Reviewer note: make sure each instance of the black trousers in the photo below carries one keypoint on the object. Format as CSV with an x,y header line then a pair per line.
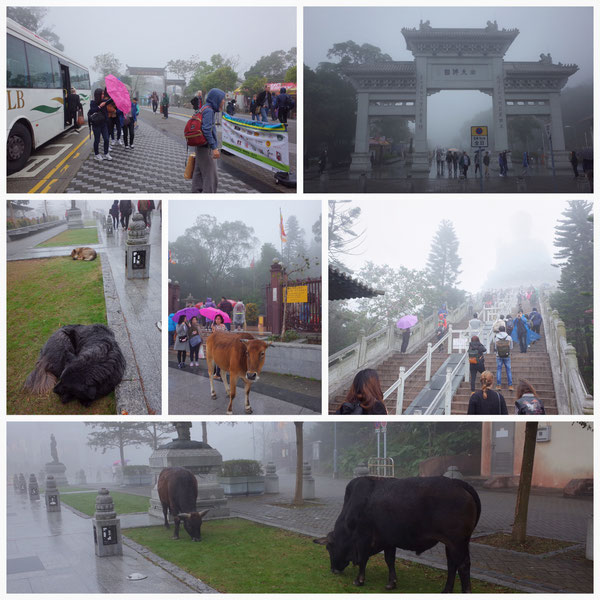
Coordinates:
x,y
128,133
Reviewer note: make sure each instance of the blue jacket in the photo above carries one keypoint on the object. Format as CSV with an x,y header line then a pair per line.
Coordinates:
x,y
172,323
532,336
135,111
211,106
283,101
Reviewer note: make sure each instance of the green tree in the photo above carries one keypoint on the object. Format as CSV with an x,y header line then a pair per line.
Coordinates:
x,y
107,64
182,68
344,239
254,84
574,299
224,78
291,74
31,17
352,53
273,66
443,263
294,250
108,435
158,431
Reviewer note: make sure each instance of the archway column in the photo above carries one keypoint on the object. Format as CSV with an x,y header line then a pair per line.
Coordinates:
x,y
561,154
420,158
361,162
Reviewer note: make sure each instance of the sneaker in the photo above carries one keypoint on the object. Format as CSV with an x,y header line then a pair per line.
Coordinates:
x,y
498,387
98,157
511,388
131,146
179,365
126,147
111,143
120,142
108,156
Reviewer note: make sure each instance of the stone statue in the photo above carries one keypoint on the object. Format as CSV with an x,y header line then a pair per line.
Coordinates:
x,y
546,59
491,26
424,24
183,430
53,450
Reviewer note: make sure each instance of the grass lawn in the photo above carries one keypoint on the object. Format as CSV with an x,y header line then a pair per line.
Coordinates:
x,y
238,556
72,237
42,296
124,503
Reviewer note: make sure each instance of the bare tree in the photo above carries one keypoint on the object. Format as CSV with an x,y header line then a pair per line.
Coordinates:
x,y
519,530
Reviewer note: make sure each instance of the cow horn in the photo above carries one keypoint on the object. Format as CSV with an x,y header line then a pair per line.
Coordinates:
x,y
201,514
269,344
183,516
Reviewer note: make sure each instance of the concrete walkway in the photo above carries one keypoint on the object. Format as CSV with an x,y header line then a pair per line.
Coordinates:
x,y
550,515
54,553
133,309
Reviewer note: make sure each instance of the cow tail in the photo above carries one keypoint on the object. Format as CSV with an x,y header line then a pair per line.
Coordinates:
x,y
469,488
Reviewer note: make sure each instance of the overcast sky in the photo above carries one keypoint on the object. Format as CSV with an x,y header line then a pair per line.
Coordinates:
x,y
150,37
261,215
493,234
566,33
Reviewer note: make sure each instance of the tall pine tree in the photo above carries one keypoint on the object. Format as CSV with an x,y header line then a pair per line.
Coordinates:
x,y
294,250
443,264
574,299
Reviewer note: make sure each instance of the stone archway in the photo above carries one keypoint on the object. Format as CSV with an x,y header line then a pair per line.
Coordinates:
x,y
458,59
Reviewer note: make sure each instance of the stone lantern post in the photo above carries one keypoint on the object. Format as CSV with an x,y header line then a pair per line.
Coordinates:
x,y
52,495
107,527
137,250
34,489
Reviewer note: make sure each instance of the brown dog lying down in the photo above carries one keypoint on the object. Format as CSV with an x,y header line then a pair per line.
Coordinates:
x,y
83,254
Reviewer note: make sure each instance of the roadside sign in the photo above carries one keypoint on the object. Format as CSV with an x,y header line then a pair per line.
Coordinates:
x,y
479,136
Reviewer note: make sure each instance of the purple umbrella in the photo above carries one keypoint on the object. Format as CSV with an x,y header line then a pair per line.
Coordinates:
x,y
189,312
407,321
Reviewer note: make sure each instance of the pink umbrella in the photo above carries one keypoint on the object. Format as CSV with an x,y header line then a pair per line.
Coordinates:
x,y
118,91
407,321
210,313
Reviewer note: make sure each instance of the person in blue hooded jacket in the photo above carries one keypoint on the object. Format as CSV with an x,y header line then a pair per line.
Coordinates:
x,y
205,178
522,334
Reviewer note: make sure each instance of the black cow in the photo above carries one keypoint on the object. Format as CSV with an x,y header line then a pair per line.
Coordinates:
x,y
412,514
177,491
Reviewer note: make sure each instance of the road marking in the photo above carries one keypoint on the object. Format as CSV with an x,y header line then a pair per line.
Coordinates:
x,y
52,182
40,183
38,163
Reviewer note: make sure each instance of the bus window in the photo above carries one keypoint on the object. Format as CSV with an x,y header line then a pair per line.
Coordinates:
x,y
40,69
16,63
58,81
79,78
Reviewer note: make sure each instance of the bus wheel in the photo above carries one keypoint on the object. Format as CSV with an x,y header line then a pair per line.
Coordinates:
x,y
18,148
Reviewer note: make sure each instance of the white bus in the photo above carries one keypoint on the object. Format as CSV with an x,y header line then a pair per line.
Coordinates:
x,y
38,80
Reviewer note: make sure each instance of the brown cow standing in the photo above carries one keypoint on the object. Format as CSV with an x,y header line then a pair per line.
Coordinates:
x,y
240,355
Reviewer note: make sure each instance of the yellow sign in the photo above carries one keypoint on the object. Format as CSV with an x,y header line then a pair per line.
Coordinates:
x,y
298,293
479,130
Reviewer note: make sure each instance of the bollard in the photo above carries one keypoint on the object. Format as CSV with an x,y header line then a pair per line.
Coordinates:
x,y
361,470
15,483
34,490
109,226
453,473
52,495
107,527
137,250
308,482
22,484
271,479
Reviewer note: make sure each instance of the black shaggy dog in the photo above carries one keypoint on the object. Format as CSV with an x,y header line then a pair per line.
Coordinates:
x,y
81,362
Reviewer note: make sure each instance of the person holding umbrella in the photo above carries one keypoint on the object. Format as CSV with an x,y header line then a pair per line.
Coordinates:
x,y
405,323
182,340
218,325
195,341
98,122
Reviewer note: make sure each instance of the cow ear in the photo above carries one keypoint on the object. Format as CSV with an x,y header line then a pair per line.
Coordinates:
x,y
269,344
245,342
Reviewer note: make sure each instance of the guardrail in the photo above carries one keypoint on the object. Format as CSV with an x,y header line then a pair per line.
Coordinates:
x,y
21,232
567,377
369,350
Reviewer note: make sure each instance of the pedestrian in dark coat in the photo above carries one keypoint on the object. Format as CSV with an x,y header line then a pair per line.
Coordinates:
x,y
487,401
476,361
125,208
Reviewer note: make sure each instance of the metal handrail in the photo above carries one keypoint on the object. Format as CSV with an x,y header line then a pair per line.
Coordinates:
x,y
443,392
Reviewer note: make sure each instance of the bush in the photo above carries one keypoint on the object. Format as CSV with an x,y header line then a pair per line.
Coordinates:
x,y
251,313
241,468
136,469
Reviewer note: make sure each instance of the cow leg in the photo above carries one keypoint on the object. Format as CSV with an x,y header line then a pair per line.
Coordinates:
x,y
176,520
211,367
464,572
248,385
452,566
231,392
362,567
390,560
165,508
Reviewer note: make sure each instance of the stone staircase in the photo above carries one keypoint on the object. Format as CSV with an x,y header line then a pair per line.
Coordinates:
x,y
534,365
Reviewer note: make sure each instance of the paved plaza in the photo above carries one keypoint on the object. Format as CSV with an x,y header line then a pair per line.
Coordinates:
x,y
189,393
133,310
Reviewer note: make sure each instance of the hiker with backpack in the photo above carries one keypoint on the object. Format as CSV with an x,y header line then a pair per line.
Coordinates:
x,y
486,401
98,122
522,333
503,344
536,320
476,351
498,323
284,104
527,402
509,324
200,132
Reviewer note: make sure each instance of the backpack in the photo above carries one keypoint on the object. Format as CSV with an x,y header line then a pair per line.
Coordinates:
x,y
529,405
96,118
503,348
536,319
473,356
193,130
509,325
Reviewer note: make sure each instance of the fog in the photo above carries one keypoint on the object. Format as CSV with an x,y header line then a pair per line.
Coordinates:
x,y
502,243
565,33
28,446
262,216
150,36
58,207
